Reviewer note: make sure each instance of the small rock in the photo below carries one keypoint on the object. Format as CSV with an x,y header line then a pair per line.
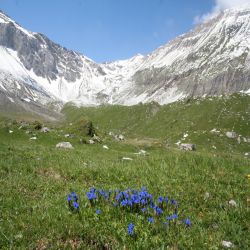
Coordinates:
x,y
188,147
105,147
127,159
232,203
178,143
33,138
10,131
231,135
45,130
206,196
96,138
91,142
121,137
227,244
214,147
66,145
141,152
215,131
69,136
246,154
239,140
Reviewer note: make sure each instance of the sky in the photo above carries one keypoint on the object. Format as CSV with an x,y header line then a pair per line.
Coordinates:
x,y
108,30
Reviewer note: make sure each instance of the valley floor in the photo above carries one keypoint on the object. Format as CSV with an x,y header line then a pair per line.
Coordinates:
x,y
211,187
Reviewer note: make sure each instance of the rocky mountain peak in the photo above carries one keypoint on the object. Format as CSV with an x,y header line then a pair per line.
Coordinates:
x,y
211,59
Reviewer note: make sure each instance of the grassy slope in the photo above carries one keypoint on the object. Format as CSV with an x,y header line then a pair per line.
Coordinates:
x,y
35,179
169,123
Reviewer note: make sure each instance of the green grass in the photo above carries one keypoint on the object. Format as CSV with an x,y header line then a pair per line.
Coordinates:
x,y
35,179
168,123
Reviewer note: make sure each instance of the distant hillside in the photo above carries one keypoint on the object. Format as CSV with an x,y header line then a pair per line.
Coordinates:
x,y
168,123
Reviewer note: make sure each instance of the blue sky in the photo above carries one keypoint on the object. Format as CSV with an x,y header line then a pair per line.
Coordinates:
x,y
107,30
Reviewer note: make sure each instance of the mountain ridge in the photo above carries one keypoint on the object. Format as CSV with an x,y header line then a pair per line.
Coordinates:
x,y
211,59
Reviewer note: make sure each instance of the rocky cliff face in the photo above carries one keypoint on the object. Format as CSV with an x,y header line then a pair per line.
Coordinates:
x,y
212,59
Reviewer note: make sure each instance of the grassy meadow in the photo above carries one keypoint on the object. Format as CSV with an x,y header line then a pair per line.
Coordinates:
x,y
36,178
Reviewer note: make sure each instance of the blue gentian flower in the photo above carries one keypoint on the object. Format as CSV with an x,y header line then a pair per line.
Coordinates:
x,y
158,210
187,222
76,205
160,199
131,229
124,203
98,211
172,217
174,202
151,220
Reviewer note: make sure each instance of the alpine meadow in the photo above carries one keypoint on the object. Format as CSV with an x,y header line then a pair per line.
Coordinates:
x,y
152,152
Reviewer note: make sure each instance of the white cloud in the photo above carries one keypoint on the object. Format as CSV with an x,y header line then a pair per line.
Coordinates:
x,y
221,5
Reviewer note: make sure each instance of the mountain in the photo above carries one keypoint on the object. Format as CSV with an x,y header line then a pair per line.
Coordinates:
x,y
212,59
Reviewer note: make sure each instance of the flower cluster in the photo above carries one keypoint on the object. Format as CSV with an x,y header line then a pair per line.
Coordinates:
x,y
73,201
155,210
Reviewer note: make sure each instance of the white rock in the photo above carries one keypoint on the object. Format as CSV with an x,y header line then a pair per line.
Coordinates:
x,y
227,244
33,138
10,131
214,147
45,130
231,135
91,142
105,147
127,159
215,131
66,145
178,143
246,154
141,152
188,146
206,195
232,203
121,137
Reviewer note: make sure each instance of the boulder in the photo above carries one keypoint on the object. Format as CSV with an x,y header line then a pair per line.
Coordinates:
x,y
65,145
188,146
231,135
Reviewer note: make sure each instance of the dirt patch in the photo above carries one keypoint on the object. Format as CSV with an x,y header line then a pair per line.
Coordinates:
x,y
49,173
42,244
